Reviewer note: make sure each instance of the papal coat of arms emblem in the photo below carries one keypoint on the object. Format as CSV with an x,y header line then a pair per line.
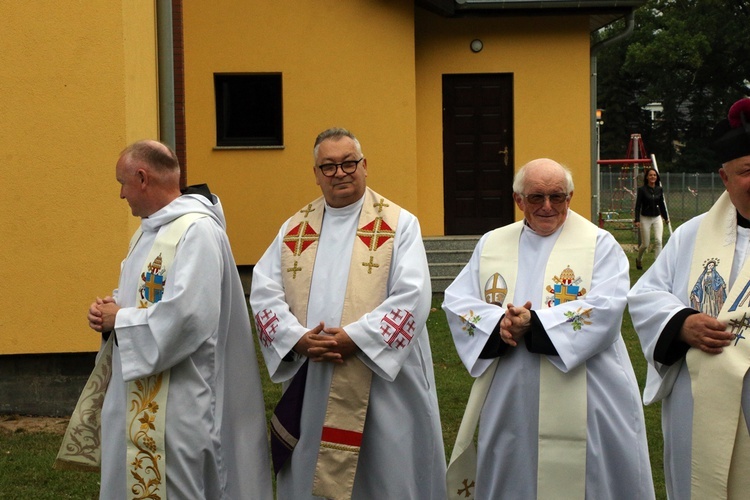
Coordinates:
x,y
154,280
565,288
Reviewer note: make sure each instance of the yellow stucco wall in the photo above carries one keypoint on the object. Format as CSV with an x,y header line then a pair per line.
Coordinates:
x,y
381,79
347,64
78,83
549,60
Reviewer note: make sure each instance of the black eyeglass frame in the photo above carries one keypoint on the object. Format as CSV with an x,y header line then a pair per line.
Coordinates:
x,y
348,167
534,199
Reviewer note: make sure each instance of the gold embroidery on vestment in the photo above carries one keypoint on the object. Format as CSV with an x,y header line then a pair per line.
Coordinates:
x,y
376,234
85,438
380,205
370,265
307,210
294,270
146,468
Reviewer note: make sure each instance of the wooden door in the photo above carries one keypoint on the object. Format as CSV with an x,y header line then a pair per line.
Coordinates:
x,y
477,152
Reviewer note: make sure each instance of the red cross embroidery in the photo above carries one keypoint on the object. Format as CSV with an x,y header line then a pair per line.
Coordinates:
x,y
397,328
300,237
267,323
375,233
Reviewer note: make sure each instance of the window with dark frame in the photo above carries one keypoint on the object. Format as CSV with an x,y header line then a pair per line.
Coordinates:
x,y
248,109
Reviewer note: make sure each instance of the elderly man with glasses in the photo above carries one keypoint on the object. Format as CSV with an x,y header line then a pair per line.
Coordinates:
x,y
340,299
536,316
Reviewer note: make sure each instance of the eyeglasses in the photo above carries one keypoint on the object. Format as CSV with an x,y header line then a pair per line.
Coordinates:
x,y
538,198
330,169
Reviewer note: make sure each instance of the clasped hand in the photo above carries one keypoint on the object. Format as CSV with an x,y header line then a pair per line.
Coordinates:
x,y
102,314
516,323
331,345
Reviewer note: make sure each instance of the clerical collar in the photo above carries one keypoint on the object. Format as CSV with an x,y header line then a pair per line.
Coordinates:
x,y
347,210
531,230
742,222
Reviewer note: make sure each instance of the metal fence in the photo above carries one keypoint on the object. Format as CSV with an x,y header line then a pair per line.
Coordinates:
x,y
686,195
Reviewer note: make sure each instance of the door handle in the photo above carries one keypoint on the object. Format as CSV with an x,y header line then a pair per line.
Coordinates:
x,y
504,152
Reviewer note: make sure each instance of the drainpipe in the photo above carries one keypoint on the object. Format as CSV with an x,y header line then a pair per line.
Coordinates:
x,y
165,65
629,26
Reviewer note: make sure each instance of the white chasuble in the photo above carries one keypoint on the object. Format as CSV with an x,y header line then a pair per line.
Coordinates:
x,y
146,454
365,290
402,453
719,444
562,396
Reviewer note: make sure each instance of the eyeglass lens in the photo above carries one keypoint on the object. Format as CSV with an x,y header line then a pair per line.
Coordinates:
x,y
538,198
349,166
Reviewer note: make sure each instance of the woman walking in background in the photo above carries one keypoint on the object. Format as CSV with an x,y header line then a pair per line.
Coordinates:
x,y
650,209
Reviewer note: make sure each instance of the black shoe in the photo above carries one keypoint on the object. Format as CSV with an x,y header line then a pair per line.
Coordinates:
x,y
638,264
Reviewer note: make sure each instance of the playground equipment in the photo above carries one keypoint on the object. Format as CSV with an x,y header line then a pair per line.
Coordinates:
x,y
618,186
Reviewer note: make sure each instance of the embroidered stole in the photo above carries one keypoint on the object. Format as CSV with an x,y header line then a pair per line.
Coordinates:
x,y
147,397
561,471
366,289
720,438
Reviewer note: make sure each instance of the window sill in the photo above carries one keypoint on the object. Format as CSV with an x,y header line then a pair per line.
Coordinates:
x,y
222,148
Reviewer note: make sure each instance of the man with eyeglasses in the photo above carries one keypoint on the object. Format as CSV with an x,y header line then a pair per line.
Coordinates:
x,y
340,299
691,310
535,316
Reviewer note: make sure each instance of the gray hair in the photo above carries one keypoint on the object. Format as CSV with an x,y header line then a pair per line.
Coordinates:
x,y
519,179
334,133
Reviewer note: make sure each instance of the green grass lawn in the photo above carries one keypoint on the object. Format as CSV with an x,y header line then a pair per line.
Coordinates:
x,y
26,459
26,470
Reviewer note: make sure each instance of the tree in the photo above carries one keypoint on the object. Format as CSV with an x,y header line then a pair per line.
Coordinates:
x,y
689,55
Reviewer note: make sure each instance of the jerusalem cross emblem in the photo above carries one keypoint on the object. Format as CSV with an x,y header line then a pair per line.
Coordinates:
x,y
268,324
397,328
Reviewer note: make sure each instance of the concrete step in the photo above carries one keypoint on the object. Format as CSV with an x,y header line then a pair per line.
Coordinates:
x,y
449,270
449,256
440,284
450,242
446,257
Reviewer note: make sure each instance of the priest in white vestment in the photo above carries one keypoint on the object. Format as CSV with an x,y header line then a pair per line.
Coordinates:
x,y
682,310
309,316
188,319
542,301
